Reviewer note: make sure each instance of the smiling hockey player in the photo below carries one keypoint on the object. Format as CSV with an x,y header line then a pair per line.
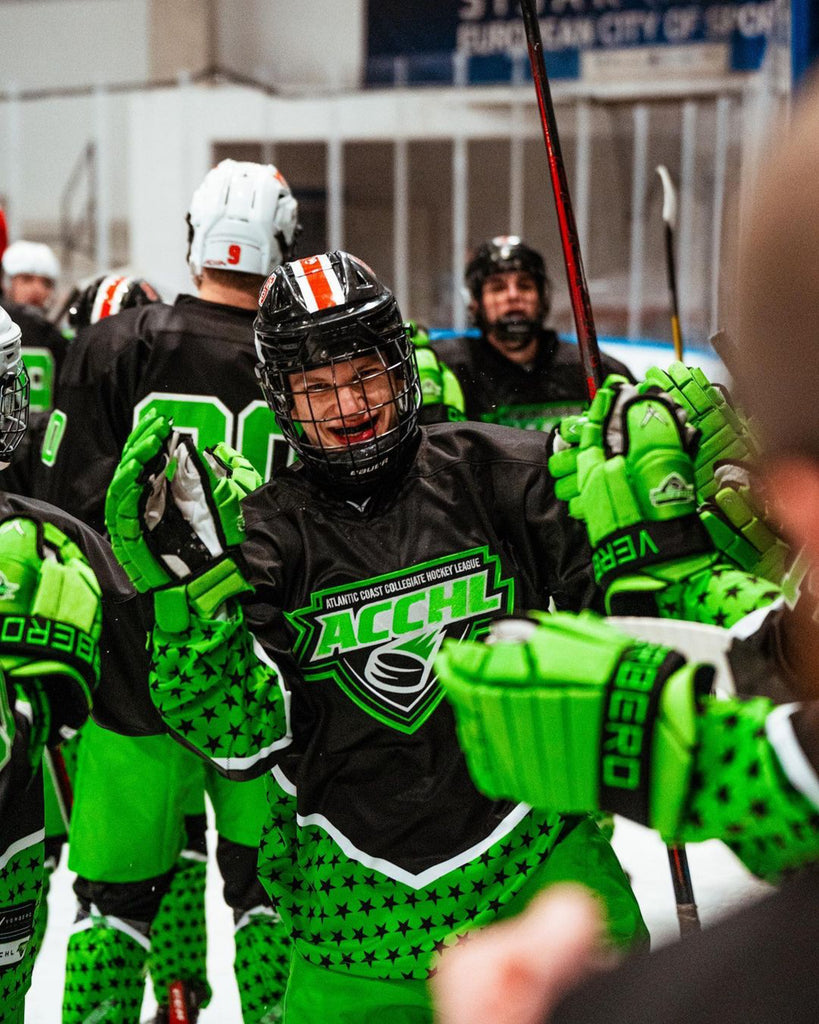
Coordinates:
x,y
357,562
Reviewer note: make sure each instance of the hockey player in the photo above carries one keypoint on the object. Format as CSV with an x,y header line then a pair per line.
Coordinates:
x,y
107,295
764,787
384,538
519,372
179,947
67,607
30,273
193,360
31,270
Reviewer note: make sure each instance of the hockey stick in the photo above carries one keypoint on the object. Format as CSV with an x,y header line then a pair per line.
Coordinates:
x,y
178,1003
669,219
587,342
55,765
687,916
570,242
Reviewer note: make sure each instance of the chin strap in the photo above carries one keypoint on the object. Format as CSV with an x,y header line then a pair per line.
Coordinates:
x,y
514,328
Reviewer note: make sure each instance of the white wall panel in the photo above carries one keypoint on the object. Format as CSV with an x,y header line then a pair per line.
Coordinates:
x,y
61,43
292,46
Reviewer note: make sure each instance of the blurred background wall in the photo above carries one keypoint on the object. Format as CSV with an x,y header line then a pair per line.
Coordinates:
x,y
409,133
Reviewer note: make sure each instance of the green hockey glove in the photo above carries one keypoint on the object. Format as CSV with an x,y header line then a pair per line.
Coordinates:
x,y
738,526
174,516
724,433
564,443
50,619
635,493
569,714
442,398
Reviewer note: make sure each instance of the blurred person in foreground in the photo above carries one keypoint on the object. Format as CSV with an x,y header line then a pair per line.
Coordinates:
x,y
67,617
765,785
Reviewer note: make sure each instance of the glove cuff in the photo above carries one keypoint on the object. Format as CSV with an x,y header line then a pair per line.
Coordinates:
x,y
36,646
635,547
630,711
201,596
675,739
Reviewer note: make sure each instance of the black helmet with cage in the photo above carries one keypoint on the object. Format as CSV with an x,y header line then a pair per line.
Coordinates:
x,y
14,389
107,295
331,313
498,255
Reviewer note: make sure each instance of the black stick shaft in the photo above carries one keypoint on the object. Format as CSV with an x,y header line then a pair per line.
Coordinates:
x,y
570,242
687,915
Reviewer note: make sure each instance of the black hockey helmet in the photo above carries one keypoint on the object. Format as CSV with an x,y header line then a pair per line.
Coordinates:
x,y
106,296
324,311
502,253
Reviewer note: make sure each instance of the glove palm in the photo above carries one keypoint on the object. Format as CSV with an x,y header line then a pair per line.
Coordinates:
x,y
174,517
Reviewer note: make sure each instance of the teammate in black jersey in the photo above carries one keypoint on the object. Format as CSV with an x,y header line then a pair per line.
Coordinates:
x,y
30,272
519,372
66,609
195,361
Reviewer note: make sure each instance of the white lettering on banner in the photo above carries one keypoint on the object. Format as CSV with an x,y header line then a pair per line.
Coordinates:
x,y
680,23
510,36
628,27
749,19
490,27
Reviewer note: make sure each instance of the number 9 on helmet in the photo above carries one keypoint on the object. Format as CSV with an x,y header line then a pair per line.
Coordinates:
x,y
243,217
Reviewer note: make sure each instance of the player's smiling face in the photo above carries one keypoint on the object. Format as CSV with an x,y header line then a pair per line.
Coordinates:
x,y
345,403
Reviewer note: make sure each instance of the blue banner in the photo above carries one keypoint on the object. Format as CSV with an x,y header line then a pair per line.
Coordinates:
x,y
475,41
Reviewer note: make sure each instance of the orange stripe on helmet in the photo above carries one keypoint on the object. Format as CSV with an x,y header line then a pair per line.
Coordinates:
x,y
324,286
110,292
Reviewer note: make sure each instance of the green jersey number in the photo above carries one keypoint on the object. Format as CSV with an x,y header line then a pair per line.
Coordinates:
x,y
39,363
253,432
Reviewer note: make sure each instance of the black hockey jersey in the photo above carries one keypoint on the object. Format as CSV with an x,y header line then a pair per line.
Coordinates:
x,y
363,600
194,361
534,397
378,846
44,349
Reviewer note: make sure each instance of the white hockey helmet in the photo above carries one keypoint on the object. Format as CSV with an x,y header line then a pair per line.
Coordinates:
x,y
242,217
31,258
14,389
